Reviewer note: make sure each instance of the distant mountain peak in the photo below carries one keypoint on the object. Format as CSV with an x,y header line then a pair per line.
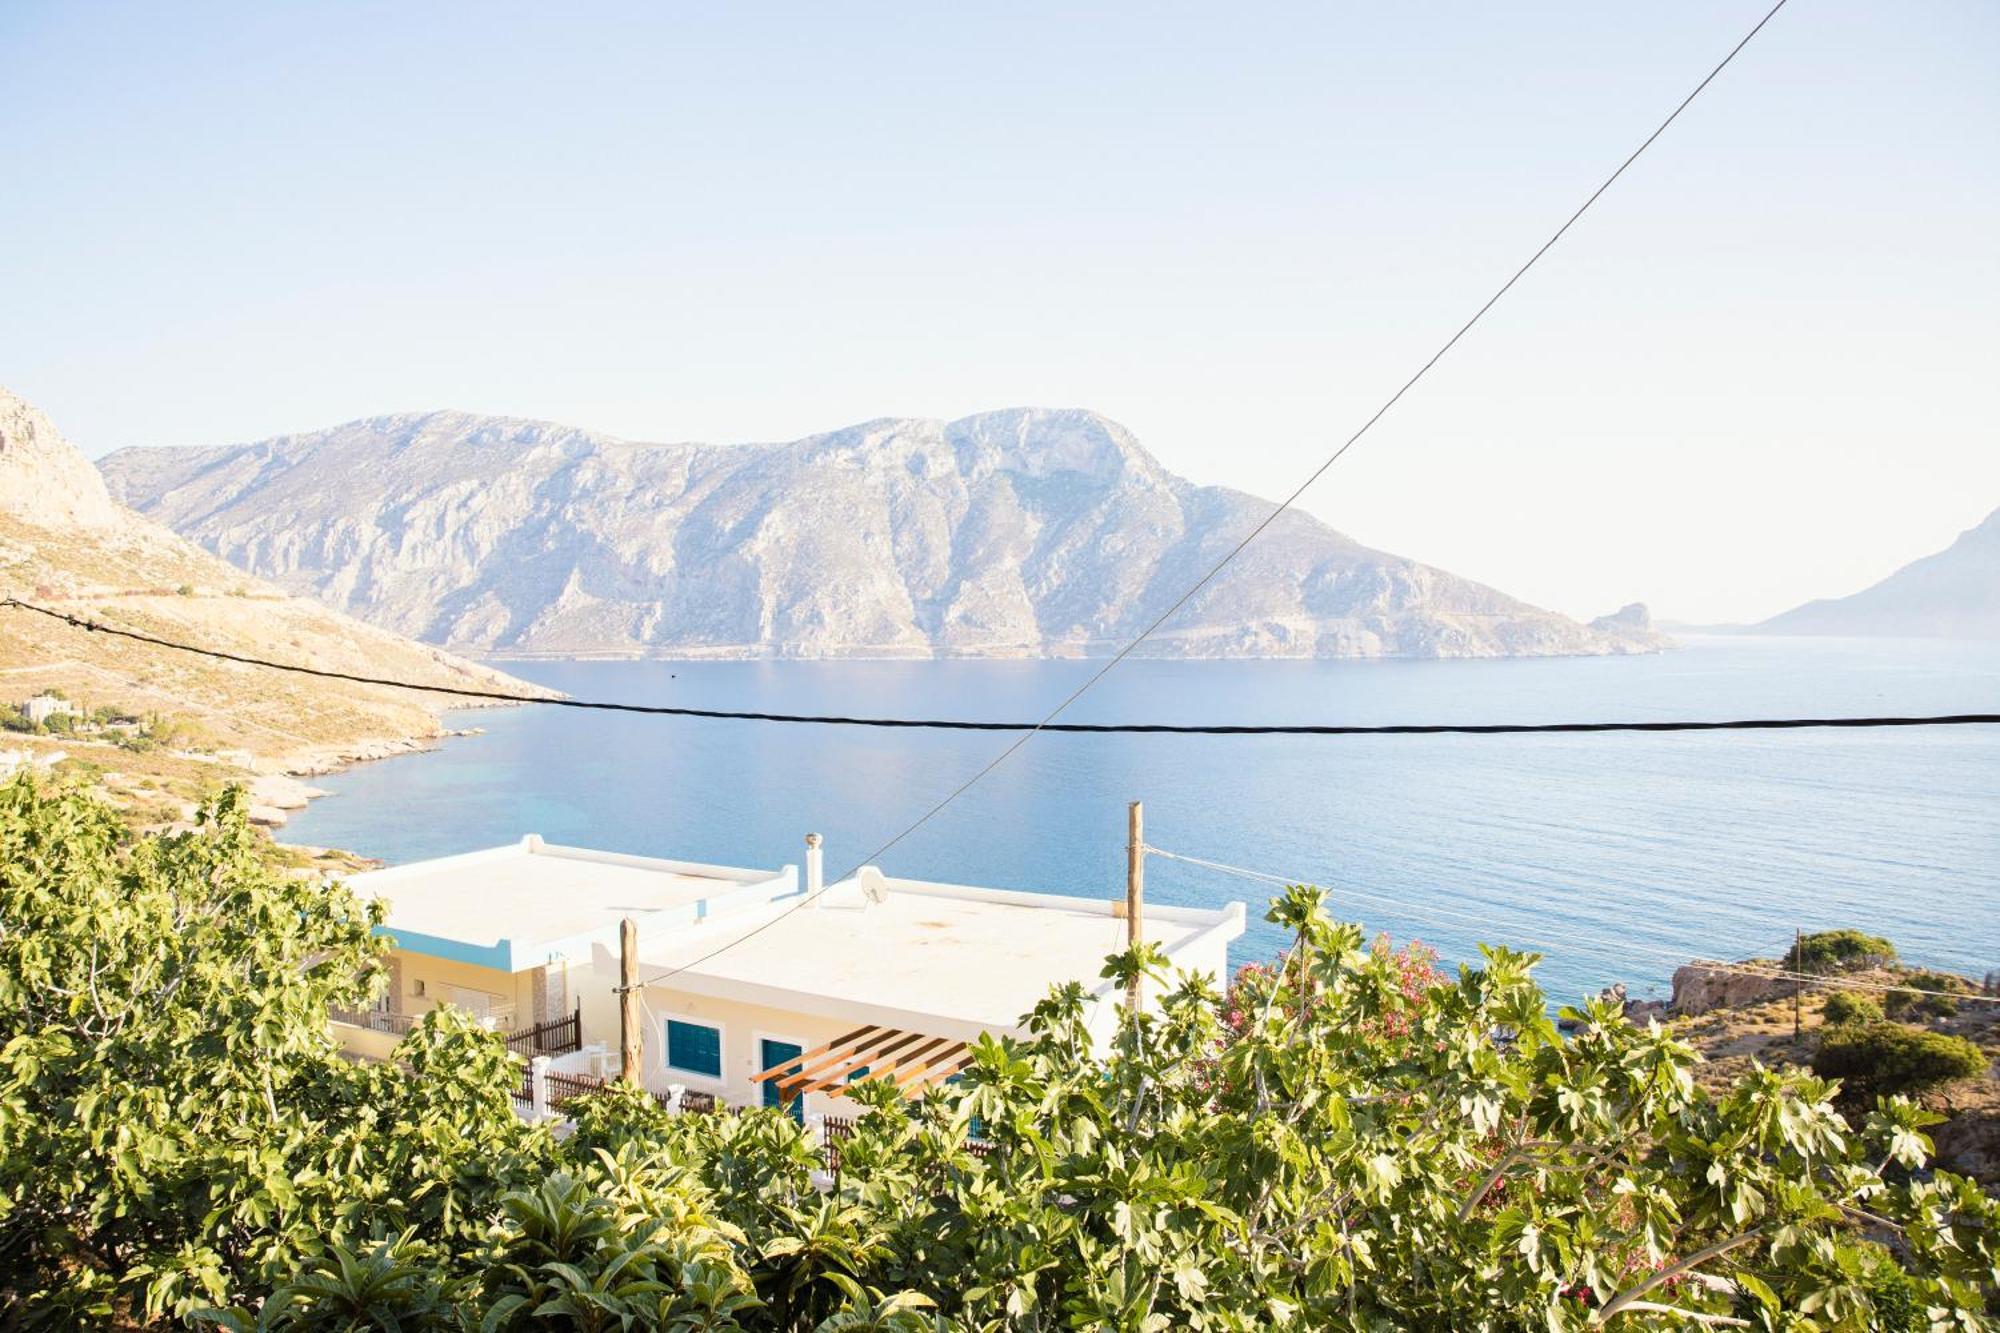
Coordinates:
x,y
1016,532
43,478
1952,594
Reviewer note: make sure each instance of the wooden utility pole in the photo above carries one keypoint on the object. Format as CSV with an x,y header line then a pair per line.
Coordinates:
x,y
628,1001
1135,893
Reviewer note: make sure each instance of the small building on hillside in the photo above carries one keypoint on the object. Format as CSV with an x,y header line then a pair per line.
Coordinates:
x,y
39,708
504,933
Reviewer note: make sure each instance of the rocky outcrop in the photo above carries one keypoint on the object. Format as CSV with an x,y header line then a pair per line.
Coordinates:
x,y
43,479
1702,986
1015,533
1632,623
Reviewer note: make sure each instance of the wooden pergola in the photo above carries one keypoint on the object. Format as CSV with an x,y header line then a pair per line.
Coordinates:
x,y
911,1060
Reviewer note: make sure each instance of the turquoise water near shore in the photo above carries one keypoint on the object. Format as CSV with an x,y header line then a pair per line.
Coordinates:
x,y
1618,856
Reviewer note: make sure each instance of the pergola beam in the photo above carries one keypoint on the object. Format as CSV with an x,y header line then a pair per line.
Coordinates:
x,y
910,1060
939,1067
881,1066
834,1049
870,1053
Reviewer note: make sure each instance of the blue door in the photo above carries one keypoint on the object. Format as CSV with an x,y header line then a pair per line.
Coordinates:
x,y
776,1053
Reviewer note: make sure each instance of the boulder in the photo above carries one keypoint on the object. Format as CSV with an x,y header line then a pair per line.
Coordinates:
x,y
1702,986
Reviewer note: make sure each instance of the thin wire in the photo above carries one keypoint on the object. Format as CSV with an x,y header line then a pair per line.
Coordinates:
x,y
1431,910
1769,973
1300,490
1047,724
1288,501
1174,607
1396,904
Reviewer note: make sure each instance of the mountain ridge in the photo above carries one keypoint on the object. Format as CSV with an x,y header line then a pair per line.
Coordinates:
x,y
1016,532
1953,593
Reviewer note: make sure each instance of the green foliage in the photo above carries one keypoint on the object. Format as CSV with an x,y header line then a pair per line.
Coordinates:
x,y
1827,951
1889,1059
175,1125
1848,1007
1926,995
1347,1141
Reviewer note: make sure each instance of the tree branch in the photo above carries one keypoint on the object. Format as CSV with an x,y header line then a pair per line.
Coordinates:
x,y
1699,1317
1624,1299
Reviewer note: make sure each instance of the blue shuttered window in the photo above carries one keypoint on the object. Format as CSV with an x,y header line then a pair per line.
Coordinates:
x,y
694,1048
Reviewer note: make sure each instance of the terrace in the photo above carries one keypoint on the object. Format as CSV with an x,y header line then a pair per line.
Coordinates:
x,y
497,933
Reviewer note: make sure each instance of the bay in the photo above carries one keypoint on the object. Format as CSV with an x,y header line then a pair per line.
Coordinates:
x,y
1617,856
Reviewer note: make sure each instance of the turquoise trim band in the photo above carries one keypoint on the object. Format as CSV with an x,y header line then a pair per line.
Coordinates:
x,y
499,957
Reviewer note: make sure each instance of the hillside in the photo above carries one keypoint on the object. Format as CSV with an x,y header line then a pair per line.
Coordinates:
x,y
65,543
1014,533
1953,594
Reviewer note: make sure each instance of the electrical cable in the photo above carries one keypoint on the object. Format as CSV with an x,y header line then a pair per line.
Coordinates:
x,y
1074,728
1048,721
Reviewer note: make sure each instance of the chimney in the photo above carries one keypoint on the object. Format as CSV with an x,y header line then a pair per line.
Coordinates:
x,y
815,870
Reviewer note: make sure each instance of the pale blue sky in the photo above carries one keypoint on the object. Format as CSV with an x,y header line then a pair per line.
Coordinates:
x,y
1767,368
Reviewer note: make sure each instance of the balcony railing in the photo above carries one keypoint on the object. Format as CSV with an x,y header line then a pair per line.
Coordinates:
x,y
376,1020
557,1036
560,1089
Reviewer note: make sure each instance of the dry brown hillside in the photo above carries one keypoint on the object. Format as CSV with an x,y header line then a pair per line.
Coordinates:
x,y
65,544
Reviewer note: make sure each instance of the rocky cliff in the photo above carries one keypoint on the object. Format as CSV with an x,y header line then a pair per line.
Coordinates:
x,y
65,543
1015,533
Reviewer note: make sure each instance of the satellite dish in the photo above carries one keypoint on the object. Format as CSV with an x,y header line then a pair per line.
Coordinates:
x,y
874,886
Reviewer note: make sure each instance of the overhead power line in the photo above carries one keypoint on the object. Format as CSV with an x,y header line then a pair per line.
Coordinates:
x,y
1074,728
1048,721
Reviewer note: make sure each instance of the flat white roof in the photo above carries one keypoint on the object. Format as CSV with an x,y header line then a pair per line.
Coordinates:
x,y
514,907
977,958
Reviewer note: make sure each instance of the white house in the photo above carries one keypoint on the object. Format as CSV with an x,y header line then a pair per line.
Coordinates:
x,y
751,989
41,707
502,932
892,983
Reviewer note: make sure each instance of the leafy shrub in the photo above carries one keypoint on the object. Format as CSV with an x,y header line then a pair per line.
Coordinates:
x,y
1826,951
1926,995
184,590
1883,1059
1847,1007
178,1140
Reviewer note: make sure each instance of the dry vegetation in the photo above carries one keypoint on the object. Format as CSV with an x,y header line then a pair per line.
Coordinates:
x,y
1969,1142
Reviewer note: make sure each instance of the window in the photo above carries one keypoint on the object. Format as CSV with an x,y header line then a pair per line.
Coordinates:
x,y
694,1048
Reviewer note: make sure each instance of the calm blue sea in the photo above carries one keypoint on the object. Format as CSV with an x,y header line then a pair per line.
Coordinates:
x,y
1618,856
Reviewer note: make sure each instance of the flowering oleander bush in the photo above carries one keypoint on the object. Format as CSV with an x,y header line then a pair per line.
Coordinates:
x,y
1348,1140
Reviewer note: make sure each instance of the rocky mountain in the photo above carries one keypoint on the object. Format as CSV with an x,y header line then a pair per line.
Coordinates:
x,y
1953,594
1012,533
65,543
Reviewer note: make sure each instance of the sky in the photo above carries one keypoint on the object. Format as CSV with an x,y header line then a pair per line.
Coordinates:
x,y
1765,368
